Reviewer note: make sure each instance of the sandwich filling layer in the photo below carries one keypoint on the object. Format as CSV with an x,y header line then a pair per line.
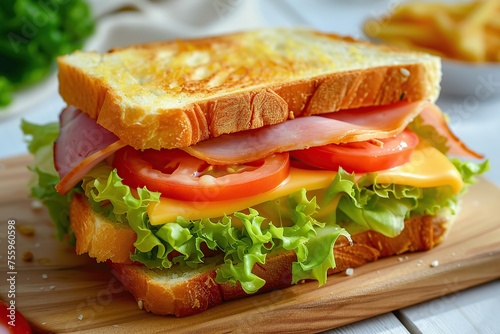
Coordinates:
x,y
307,212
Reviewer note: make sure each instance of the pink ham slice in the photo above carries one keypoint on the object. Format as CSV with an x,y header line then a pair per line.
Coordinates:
x,y
334,128
81,145
433,116
300,133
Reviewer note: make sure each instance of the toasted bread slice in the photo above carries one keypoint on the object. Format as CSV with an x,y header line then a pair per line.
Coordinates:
x,y
175,94
182,293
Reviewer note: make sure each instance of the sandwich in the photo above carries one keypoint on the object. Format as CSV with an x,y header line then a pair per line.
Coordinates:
x,y
211,169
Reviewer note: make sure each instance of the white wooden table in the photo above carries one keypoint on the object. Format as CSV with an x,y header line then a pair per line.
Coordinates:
x,y
471,311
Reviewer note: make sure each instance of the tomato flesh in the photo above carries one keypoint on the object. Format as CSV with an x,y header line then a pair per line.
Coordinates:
x,y
12,321
361,157
178,175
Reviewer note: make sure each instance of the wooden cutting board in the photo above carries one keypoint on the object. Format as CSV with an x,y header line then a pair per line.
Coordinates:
x,y
59,291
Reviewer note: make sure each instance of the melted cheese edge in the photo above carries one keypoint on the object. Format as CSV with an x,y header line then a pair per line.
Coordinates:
x,y
427,168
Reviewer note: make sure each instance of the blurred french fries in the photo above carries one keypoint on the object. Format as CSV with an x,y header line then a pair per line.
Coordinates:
x,y
464,31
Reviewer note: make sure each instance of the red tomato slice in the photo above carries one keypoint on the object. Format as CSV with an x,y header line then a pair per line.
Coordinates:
x,y
361,157
178,175
12,321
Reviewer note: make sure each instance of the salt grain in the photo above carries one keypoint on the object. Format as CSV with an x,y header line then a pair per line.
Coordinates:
x,y
80,317
140,304
435,263
36,205
349,271
45,276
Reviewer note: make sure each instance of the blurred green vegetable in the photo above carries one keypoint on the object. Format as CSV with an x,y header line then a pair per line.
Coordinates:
x,y
32,34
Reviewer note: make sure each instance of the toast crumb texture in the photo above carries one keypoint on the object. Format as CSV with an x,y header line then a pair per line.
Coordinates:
x,y
177,93
182,293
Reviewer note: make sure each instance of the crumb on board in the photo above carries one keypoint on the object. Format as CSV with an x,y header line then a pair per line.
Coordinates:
x,y
80,317
45,276
434,263
26,229
140,304
27,256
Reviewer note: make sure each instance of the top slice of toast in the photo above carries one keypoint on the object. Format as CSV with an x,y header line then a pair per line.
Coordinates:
x,y
177,93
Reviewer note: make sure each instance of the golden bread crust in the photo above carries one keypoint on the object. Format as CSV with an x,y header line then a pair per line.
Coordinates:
x,y
198,291
94,233
131,92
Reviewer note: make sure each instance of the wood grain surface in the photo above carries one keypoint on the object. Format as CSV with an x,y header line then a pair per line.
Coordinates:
x,y
58,291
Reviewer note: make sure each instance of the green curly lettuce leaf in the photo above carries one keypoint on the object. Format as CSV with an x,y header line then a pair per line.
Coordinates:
x,y
378,207
469,171
40,139
242,247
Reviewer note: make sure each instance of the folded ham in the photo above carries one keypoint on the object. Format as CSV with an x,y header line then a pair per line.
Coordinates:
x,y
82,144
338,127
